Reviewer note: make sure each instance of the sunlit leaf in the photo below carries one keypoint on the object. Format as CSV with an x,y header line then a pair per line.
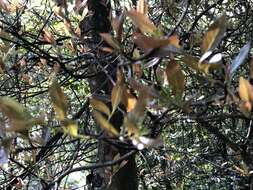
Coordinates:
x,y
110,40
100,106
214,34
59,100
116,95
244,89
70,127
175,77
142,7
240,58
105,124
142,22
128,99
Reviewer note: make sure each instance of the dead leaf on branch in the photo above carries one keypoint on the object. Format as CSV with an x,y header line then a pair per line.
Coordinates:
x,y
214,34
175,77
142,22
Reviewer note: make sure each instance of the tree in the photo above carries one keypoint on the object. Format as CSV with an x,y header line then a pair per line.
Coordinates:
x,y
126,94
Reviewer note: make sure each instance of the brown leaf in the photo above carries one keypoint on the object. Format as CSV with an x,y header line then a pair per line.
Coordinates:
x,y
104,123
110,40
175,77
100,106
117,25
214,34
128,99
142,22
142,7
147,43
244,89
116,95
59,100
47,36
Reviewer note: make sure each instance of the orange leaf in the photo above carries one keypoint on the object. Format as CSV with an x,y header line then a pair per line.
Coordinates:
x,y
244,89
142,22
128,99
214,34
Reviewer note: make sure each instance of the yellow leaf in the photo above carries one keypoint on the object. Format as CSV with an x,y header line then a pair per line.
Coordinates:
x,y
142,22
110,40
214,34
59,100
116,95
70,128
104,123
175,77
100,106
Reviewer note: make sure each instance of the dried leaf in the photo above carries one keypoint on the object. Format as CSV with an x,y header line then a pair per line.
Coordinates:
x,y
117,25
104,123
128,99
47,36
175,77
214,34
59,100
240,58
142,7
147,43
116,95
110,40
142,22
244,89
100,106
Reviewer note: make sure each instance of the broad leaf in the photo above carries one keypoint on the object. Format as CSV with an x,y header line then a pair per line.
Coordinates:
x,y
105,124
116,95
142,7
214,34
142,22
175,77
100,106
59,100
240,58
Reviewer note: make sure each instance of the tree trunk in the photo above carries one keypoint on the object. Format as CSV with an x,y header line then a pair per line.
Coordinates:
x,y
126,178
